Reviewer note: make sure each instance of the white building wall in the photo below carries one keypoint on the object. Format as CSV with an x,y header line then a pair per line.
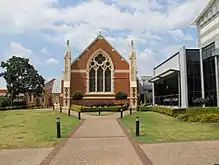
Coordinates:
x,y
172,63
183,78
178,62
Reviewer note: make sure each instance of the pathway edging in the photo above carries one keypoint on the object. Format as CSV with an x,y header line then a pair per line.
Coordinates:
x,y
141,154
59,145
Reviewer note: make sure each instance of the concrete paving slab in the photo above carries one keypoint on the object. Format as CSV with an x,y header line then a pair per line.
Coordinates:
x,y
97,151
183,153
99,128
31,156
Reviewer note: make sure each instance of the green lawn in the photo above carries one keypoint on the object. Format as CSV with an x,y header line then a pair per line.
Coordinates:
x,y
32,128
155,127
101,113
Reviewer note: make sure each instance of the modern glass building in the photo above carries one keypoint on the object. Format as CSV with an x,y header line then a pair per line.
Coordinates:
x,y
208,40
177,80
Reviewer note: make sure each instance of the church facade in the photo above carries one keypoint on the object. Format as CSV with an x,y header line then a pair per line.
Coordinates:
x,y
99,72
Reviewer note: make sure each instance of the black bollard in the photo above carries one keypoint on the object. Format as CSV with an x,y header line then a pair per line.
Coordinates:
x,y
137,126
53,107
130,111
58,127
69,112
60,109
79,115
99,111
121,113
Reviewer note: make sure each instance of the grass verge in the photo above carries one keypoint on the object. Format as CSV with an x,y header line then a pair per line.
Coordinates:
x,y
155,127
32,128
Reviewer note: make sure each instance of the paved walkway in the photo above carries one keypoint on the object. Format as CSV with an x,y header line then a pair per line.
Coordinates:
x,y
183,153
32,156
99,141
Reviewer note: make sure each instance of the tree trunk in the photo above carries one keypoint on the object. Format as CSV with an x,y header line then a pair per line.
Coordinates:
x,y
12,101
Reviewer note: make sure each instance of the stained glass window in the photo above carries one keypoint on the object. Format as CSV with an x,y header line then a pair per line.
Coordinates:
x,y
100,74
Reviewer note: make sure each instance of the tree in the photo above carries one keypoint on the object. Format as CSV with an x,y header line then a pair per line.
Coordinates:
x,y
121,96
77,96
21,77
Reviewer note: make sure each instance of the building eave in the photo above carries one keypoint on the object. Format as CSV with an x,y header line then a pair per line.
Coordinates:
x,y
98,37
202,12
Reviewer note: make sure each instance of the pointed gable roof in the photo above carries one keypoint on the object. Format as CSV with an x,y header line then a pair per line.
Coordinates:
x,y
211,2
100,36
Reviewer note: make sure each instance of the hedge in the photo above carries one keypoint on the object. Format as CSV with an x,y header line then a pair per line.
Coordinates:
x,y
206,110
164,110
4,101
210,117
77,108
208,114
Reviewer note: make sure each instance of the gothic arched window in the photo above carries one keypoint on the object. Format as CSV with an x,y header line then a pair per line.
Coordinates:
x,y
100,74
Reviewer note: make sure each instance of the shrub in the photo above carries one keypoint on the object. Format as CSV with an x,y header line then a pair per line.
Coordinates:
x,y
121,96
164,110
4,101
211,117
97,103
77,96
96,109
200,115
13,107
19,103
76,108
195,111
184,117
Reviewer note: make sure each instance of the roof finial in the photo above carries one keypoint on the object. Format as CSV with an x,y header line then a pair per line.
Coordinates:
x,y
132,43
67,42
100,32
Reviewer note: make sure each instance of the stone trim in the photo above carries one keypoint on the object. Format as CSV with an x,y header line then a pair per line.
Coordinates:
x,y
87,98
85,71
78,71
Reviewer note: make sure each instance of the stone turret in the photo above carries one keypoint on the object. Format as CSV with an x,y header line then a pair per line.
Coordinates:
x,y
67,78
133,77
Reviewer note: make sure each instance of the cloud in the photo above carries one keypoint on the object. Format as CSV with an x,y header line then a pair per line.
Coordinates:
x,y
16,49
178,35
45,52
52,61
146,62
147,22
2,83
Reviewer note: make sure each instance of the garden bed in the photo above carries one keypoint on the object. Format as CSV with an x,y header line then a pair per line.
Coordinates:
x,y
208,114
97,109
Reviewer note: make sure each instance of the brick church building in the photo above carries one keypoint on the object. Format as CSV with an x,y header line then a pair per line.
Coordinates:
x,y
99,72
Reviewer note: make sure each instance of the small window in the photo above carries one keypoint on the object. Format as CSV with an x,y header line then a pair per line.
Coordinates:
x,y
217,6
209,13
205,18
214,10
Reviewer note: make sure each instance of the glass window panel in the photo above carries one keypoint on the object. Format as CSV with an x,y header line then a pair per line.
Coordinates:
x,y
209,79
100,80
92,80
108,80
